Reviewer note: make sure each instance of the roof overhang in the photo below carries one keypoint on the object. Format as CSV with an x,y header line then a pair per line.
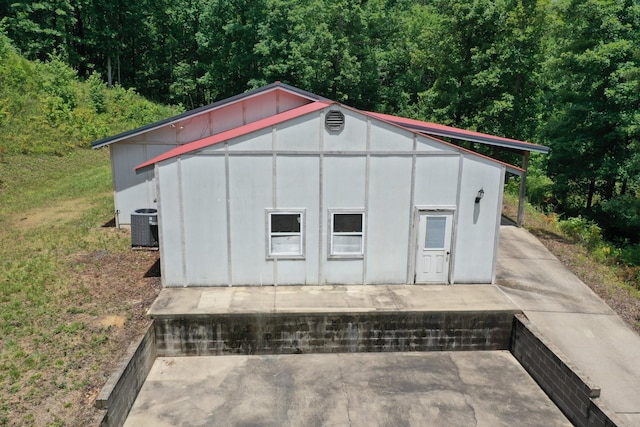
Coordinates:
x,y
206,109
461,134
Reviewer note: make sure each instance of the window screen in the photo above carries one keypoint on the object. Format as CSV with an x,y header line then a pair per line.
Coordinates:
x,y
285,223
285,234
347,236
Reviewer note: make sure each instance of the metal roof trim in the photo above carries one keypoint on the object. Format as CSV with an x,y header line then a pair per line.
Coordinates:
x,y
205,109
237,132
379,116
466,135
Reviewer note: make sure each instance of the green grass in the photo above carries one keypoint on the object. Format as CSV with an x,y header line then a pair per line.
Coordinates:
x,y
51,210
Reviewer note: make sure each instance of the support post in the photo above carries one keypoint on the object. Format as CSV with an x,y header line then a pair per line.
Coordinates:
x,y
523,188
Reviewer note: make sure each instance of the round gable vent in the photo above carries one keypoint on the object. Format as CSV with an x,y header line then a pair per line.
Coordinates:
x,y
334,121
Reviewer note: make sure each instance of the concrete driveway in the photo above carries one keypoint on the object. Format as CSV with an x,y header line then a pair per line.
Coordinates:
x,y
573,318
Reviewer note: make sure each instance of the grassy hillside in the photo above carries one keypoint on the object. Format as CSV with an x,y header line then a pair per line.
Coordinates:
x,y
72,293
45,109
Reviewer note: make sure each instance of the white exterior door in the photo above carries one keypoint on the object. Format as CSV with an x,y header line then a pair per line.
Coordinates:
x,y
434,247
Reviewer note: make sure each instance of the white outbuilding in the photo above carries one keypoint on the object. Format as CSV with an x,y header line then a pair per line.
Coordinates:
x,y
279,186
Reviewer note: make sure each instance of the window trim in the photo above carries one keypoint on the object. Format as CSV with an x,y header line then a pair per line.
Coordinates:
x,y
332,234
270,235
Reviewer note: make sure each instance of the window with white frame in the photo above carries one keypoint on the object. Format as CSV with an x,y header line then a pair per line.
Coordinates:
x,y
347,234
285,234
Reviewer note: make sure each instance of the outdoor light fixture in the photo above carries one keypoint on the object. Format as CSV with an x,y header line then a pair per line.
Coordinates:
x,y
480,195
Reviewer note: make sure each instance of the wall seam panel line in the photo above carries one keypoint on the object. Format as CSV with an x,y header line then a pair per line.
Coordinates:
x,y
274,195
160,223
228,196
147,174
116,211
361,153
454,235
321,196
410,253
367,187
182,225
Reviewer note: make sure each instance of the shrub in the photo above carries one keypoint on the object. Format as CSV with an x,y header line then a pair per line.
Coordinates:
x,y
582,230
619,218
97,95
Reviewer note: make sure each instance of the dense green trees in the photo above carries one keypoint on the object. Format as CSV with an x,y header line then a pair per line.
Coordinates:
x,y
592,72
565,73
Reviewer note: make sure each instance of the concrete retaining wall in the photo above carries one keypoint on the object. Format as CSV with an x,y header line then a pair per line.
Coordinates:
x,y
122,387
563,383
284,333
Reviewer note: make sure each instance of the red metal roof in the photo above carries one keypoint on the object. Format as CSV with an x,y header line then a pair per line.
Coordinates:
x,y
466,135
239,131
409,124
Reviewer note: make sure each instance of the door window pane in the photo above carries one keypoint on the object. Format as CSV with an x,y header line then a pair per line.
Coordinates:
x,y
436,226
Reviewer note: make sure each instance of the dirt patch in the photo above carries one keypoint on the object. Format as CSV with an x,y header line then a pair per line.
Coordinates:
x,y
60,212
113,321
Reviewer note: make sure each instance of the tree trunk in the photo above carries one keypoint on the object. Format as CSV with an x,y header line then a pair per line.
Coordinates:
x,y
109,77
592,189
609,188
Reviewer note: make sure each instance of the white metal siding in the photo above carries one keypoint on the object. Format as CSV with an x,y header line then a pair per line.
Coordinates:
x,y
387,188
385,137
170,223
205,227
192,129
475,245
343,188
289,137
133,190
352,138
388,219
261,140
298,186
436,181
226,118
250,189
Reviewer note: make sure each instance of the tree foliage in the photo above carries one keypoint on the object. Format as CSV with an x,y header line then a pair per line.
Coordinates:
x,y
44,108
593,72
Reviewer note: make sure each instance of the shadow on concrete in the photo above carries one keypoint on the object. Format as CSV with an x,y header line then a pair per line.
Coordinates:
x,y
507,221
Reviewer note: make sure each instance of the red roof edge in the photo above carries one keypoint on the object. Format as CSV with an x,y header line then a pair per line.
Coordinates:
x,y
393,121
237,132
457,133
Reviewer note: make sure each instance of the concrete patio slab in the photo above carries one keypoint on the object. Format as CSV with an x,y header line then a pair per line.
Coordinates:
x,y
366,389
334,299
